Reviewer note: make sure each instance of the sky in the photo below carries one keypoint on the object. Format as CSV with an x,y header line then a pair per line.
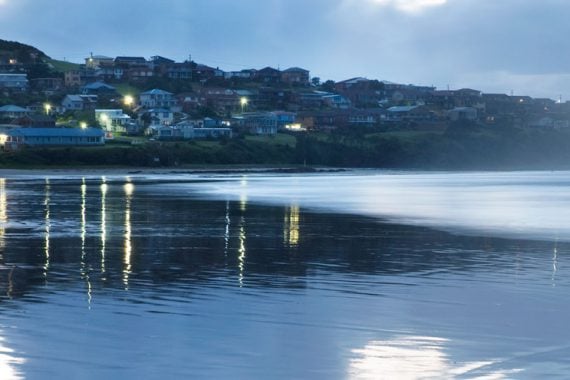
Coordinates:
x,y
506,46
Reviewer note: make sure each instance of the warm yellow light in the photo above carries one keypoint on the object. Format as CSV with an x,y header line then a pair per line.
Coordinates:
x,y
128,100
294,127
243,101
129,189
3,139
83,125
47,107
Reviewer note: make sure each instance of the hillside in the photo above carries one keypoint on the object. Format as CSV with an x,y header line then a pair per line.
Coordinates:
x,y
24,54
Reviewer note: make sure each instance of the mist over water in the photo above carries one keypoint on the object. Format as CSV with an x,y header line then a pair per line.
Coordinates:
x,y
531,205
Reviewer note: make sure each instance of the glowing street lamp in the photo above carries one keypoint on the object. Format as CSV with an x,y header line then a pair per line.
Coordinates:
x,y
128,100
243,102
104,118
83,125
47,108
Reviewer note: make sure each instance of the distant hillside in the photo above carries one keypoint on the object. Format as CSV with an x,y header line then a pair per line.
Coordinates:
x,y
19,57
24,54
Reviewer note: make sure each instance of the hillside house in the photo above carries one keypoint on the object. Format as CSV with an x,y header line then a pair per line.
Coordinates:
x,y
157,98
13,112
189,130
182,71
362,92
36,121
409,114
113,120
127,62
203,72
340,118
158,116
268,75
14,82
296,75
243,74
138,73
97,61
79,102
462,114
72,78
98,88
47,85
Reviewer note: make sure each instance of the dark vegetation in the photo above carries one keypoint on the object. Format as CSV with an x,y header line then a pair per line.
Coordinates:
x,y
458,148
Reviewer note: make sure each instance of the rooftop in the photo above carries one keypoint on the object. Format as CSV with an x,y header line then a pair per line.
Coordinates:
x,y
13,108
156,91
56,132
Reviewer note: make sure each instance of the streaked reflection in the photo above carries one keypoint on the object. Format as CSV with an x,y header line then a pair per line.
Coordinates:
x,y
47,226
84,269
243,195
83,215
104,188
555,263
9,363
3,213
291,226
227,231
417,358
129,190
242,253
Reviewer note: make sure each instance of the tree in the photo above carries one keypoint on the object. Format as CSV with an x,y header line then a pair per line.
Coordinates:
x,y
328,86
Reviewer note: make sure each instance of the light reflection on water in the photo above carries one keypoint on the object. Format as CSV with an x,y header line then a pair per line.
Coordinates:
x,y
521,205
3,212
47,227
410,358
224,288
128,245
9,363
104,188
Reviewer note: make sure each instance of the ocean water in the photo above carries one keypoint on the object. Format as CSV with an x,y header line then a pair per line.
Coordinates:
x,y
356,275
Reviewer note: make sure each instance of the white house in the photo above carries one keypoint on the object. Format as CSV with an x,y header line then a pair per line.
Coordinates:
x,y
112,120
157,99
161,116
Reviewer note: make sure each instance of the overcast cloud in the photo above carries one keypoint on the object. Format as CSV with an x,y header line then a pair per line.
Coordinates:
x,y
492,45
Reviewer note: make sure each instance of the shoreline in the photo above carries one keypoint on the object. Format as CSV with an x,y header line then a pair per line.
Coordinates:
x,y
164,171
238,169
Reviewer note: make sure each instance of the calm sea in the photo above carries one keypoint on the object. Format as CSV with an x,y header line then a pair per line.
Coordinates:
x,y
358,275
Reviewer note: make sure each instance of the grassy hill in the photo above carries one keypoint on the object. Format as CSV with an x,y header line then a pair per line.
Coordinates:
x,y
61,66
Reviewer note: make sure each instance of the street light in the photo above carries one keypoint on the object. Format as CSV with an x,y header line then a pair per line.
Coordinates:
x,y
128,100
47,108
105,120
83,125
243,102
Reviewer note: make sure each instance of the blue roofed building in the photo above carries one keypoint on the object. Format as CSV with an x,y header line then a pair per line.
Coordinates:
x,y
409,114
98,88
13,112
17,138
